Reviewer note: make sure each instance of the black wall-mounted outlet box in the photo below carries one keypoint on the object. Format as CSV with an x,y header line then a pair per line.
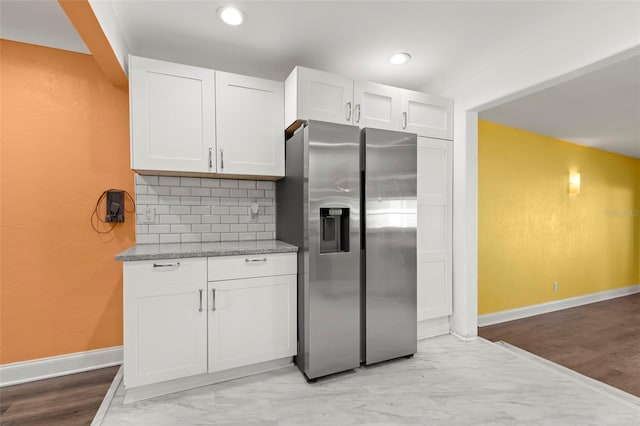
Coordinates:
x,y
115,206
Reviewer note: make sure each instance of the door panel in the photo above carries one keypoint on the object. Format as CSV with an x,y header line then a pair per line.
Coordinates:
x,y
251,320
249,125
172,116
390,263
325,97
376,105
434,228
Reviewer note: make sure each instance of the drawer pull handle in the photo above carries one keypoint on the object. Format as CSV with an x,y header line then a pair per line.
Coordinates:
x,y
200,310
166,265
264,259
213,299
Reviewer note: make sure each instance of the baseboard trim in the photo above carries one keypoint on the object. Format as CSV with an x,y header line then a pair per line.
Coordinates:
x,y
45,368
433,327
186,383
556,305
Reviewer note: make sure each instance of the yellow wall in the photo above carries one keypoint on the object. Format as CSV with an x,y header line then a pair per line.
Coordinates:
x,y
531,232
64,139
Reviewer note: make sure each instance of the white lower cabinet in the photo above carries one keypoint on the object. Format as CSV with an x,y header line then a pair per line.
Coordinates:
x,y
165,320
180,322
251,320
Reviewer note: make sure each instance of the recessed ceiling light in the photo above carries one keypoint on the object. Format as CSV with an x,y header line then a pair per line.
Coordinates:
x,y
231,15
399,58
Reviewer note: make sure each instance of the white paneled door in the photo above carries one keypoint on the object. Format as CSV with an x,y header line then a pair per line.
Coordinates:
x,y
434,228
376,105
251,320
172,116
427,115
249,125
165,320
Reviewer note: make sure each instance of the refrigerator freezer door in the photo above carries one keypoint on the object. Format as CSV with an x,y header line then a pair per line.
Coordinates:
x,y
319,211
390,271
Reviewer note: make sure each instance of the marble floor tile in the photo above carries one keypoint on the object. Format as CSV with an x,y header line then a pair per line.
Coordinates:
x,y
448,382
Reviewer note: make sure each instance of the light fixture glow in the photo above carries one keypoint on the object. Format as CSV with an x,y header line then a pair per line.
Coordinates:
x,y
399,58
574,183
231,15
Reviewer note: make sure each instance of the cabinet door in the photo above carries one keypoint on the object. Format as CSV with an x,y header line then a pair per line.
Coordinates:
x,y
434,228
376,105
165,320
427,115
251,320
249,125
324,96
172,116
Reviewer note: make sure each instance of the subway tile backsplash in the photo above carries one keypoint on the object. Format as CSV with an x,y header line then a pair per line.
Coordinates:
x,y
203,209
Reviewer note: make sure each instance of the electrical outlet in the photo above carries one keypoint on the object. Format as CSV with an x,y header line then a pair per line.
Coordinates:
x,y
149,215
555,286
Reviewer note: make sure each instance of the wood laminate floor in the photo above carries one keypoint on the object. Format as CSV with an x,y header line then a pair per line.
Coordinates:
x,y
68,400
600,340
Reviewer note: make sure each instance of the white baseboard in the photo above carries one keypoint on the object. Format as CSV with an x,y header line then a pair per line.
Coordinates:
x,y
556,305
178,385
433,327
44,368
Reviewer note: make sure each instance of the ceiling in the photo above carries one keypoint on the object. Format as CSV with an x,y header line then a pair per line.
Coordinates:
x,y
448,41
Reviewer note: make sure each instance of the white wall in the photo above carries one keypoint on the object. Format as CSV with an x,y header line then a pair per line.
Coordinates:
x,y
590,41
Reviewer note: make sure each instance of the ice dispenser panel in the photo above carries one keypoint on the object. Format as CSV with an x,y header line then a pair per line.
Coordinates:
x,y
334,229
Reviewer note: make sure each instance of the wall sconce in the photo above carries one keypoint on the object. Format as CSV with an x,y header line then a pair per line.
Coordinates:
x,y
574,183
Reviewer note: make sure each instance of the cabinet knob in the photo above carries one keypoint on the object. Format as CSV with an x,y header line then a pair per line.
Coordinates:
x,y
213,299
404,120
210,158
357,118
200,309
348,111
221,159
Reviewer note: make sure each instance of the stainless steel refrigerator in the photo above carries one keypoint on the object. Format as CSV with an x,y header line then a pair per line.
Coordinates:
x,y
354,306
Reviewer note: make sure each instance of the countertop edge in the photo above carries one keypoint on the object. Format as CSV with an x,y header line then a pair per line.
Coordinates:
x,y
214,252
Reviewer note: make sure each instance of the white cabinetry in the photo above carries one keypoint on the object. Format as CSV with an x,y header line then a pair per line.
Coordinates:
x,y
318,95
194,121
427,115
249,125
165,320
179,327
376,105
253,317
172,109
434,228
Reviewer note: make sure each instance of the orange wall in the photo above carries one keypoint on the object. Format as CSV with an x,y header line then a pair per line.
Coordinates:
x,y
64,139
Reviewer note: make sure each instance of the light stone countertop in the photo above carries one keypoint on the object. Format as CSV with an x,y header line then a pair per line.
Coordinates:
x,y
183,250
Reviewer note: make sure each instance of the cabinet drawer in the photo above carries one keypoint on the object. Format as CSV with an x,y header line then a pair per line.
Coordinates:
x,y
260,265
166,271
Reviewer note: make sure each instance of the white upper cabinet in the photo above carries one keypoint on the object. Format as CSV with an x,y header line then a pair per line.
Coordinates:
x,y
427,115
318,95
376,105
249,125
172,116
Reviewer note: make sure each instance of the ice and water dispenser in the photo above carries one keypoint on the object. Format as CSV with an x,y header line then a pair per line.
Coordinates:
x,y
334,229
